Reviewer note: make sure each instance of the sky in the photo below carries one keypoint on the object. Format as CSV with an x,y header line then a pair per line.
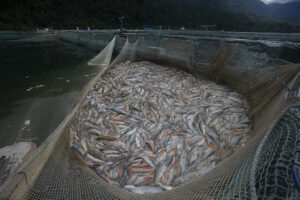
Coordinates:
x,y
278,1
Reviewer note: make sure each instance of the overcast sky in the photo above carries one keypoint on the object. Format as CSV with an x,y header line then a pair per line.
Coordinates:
x,y
278,1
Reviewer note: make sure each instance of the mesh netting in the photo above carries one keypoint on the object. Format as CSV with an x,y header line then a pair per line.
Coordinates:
x,y
56,172
104,57
273,169
62,179
295,90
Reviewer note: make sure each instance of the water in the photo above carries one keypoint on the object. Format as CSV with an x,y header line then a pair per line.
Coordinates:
x,y
58,67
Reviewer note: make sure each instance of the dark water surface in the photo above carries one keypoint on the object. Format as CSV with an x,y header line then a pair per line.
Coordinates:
x,y
59,71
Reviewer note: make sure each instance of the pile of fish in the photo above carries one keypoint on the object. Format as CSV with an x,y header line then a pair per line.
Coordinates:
x,y
148,128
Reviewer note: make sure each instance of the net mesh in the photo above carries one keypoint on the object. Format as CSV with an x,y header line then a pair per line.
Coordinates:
x,y
104,57
274,165
295,90
62,174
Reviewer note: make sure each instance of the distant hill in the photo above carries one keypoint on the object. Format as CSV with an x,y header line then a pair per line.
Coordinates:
x,y
289,12
231,15
248,6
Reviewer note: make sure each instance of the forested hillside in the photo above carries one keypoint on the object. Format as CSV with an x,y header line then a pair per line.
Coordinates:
x,y
289,12
235,15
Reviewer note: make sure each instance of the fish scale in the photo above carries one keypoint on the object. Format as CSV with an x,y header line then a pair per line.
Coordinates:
x,y
148,128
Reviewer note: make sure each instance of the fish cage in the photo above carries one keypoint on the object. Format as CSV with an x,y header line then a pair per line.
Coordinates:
x,y
265,167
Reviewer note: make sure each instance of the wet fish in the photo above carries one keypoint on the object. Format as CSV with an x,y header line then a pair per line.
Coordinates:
x,y
95,132
147,128
144,189
159,173
106,137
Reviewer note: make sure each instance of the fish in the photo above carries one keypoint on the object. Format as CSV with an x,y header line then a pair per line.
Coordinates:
x,y
183,178
202,127
235,140
132,188
106,137
165,187
96,154
147,189
84,145
95,132
183,159
172,173
119,111
159,173
162,155
149,161
147,128
193,155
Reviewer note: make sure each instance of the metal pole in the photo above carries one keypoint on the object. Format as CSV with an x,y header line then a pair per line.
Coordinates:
x,y
121,20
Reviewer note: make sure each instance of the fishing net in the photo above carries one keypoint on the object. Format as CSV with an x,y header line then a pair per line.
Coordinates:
x,y
273,167
104,57
261,169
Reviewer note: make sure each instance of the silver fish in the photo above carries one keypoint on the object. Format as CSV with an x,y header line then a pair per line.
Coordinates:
x,y
147,128
159,172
